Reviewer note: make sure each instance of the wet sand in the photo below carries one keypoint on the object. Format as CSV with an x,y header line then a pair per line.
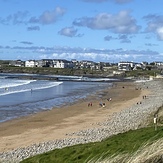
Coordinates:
x,y
56,123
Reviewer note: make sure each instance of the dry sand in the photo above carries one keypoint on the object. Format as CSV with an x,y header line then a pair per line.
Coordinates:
x,y
54,124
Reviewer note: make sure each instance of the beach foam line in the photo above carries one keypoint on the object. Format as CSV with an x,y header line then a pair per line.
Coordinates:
x,y
7,92
21,82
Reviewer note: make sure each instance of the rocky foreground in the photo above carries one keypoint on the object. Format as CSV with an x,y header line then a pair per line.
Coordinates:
x,y
129,118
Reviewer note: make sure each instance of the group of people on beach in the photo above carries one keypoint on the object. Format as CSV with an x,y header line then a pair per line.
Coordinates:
x,y
101,104
144,97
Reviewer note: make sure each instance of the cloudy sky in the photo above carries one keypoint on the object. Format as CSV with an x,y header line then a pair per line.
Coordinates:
x,y
96,30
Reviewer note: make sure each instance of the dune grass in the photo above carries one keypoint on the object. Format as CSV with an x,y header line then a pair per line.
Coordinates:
x,y
119,145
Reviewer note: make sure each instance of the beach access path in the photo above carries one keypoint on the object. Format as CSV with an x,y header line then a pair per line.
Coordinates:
x,y
59,123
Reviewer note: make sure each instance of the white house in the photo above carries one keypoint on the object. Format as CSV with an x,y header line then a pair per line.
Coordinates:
x,y
158,63
126,66
139,66
62,63
31,63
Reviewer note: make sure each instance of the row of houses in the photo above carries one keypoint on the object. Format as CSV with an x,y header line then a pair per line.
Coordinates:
x,y
60,63
128,66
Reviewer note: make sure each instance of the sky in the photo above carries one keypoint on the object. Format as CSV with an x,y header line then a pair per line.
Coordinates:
x,y
94,30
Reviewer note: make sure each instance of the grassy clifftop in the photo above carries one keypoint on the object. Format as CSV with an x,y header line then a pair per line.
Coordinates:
x,y
143,145
119,148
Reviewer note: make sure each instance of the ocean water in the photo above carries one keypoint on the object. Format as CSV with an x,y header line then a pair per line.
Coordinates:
x,y
23,97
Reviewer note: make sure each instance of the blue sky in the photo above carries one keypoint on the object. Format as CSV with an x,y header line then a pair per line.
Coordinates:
x,y
96,30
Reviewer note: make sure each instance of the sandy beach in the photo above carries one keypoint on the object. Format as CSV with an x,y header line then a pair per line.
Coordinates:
x,y
59,122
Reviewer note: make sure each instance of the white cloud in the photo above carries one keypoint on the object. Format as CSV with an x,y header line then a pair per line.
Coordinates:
x,y
97,55
68,31
19,17
159,32
155,25
106,55
22,17
48,17
121,22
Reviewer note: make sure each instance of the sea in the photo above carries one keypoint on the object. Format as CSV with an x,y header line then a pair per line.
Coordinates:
x,y
22,97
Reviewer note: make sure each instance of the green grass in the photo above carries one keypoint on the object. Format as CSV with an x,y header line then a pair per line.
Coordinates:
x,y
49,70
125,143
142,73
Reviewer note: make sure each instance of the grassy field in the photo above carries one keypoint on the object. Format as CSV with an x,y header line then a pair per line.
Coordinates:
x,y
122,144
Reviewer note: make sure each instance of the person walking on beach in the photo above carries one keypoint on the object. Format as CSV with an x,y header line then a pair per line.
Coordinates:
x,y
89,104
109,99
100,104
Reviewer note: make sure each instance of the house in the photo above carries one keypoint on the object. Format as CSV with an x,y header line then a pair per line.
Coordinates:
x,y
17,63
104,66
47,63
76,64
31,63
139,66
87,64
62,63
126,66
158,63
40,63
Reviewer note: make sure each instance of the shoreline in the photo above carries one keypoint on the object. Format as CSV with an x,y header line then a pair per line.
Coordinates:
x,y
26,97
59,116
77,121
52,77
